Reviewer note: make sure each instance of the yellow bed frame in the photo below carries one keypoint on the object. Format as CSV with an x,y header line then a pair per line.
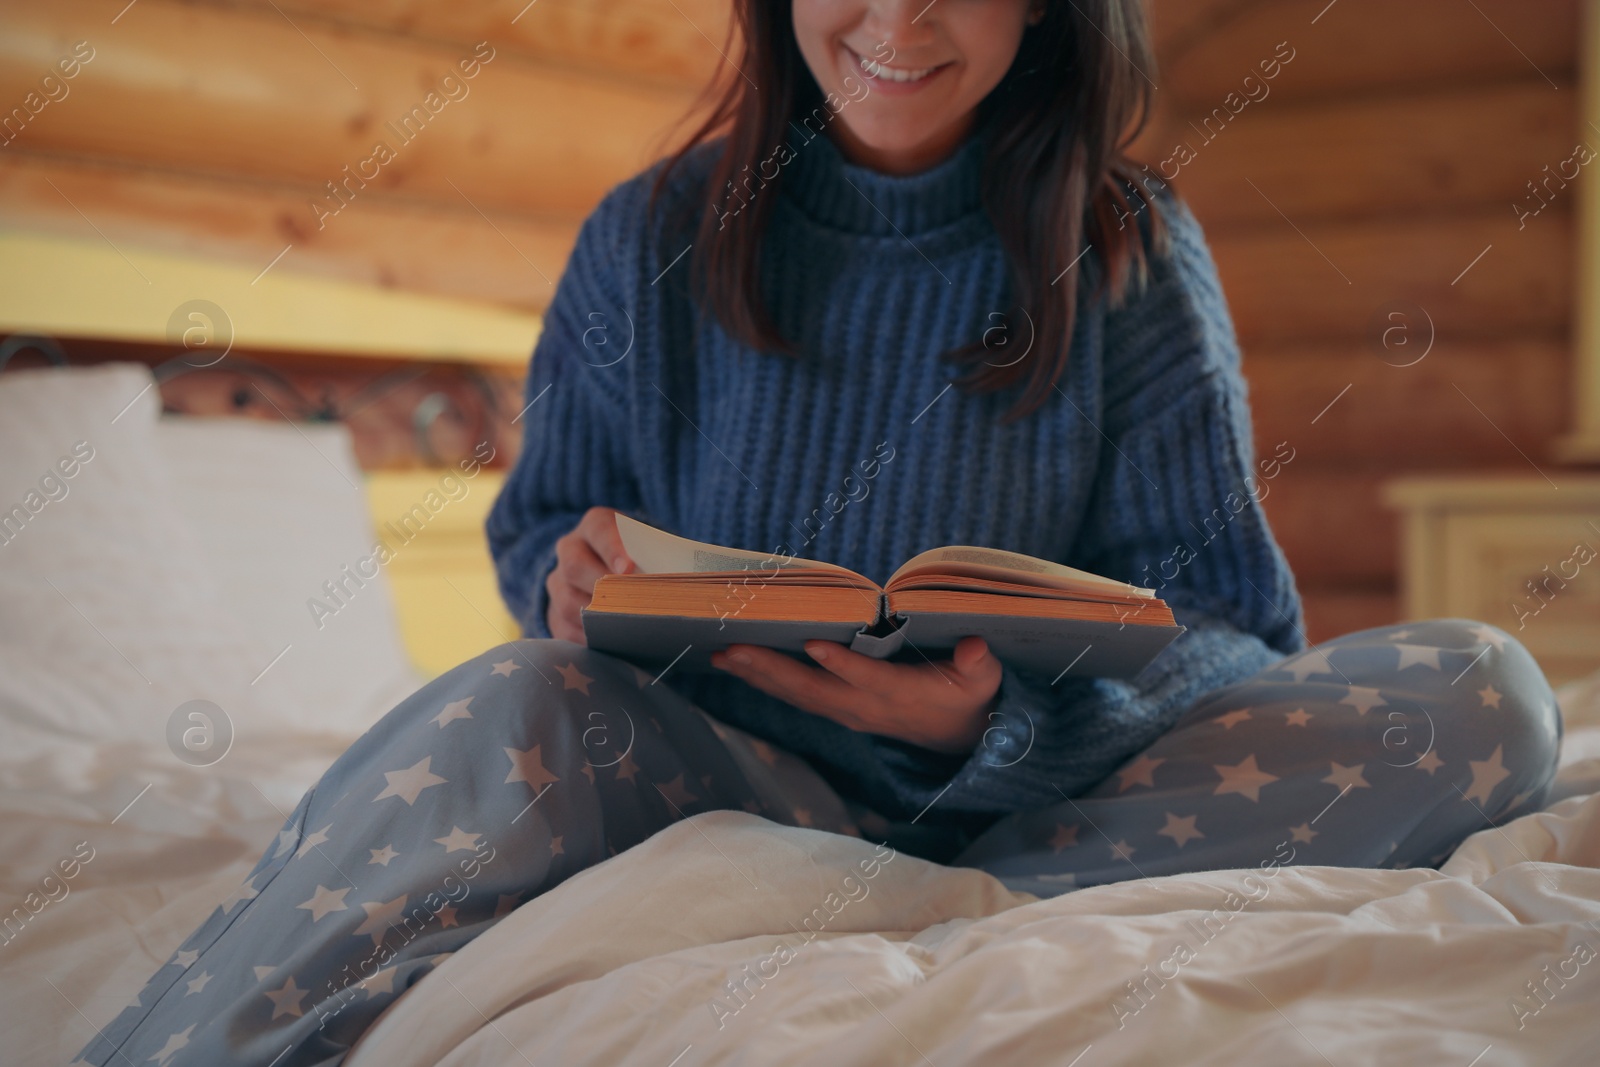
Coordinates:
x,y
444,587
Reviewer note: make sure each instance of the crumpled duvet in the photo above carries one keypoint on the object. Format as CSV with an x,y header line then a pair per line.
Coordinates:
x,y
727,939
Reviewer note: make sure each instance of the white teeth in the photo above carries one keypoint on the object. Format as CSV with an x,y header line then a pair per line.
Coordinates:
x,y
874,69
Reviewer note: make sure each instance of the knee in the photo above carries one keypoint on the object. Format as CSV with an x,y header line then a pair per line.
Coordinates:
x,y
1505,697
554,685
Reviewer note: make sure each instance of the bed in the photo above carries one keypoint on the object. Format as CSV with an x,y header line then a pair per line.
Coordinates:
x,y
167,577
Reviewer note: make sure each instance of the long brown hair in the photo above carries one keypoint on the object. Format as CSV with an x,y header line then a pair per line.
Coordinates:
x,y
1055,177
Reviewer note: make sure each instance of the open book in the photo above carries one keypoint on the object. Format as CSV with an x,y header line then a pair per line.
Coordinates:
x,y
688,599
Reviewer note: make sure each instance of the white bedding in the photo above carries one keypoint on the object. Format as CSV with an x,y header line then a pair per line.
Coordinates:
x,y
624,962
629,962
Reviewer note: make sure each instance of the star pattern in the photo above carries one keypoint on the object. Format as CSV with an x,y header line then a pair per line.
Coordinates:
x,y
555,846
408,783
1064,837
1297,717
380,983
456,709
286,1001
1181,830
1348,777
1141,771
626,768
677,793
1486,774
1489,636
505,667
1490,696
1303,833
458,840
528,766
380,917
246,891
174,1043
185,959
573,678
1364,699
382,856
1418,655
1307,664
1430,761
1121,850
198,983
324,901
1245,778
312,840
1234,718
285,843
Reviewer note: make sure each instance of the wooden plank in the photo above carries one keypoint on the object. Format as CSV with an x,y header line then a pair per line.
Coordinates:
x,y
1456,406
1335,612
441,249
222,92
1395,156
1332,525
675,43
1477,275
1362,46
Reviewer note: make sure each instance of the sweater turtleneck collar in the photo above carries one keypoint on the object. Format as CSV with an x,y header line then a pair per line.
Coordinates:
x,y
844,196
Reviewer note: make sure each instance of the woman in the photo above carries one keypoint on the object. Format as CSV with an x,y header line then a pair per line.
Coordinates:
x,y
745,348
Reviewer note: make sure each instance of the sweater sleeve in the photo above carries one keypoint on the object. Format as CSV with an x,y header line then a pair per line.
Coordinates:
x,y
1176,507
576,451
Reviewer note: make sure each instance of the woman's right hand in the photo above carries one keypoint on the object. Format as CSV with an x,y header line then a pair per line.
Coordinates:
x,y
593,548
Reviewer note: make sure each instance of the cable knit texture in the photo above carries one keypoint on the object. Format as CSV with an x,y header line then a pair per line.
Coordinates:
x,y
641,402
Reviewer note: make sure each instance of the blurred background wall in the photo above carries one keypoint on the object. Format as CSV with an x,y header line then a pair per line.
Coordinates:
x,y
1351,162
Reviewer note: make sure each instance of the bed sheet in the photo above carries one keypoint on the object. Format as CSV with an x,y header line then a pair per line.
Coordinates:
x,y
632,960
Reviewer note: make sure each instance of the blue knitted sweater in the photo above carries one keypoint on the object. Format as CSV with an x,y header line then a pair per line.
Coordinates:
x,y
1140,466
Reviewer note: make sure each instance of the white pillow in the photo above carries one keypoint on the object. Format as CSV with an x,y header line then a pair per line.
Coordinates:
x,y
279,512
108,618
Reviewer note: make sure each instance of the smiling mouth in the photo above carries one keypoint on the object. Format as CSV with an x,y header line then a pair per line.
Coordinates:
x,y
904,75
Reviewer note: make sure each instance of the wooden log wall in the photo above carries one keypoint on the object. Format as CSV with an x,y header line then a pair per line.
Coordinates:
x,y
214,127
1376,170
1368,175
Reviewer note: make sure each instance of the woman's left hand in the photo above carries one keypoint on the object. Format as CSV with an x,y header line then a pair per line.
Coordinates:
x,y
942,706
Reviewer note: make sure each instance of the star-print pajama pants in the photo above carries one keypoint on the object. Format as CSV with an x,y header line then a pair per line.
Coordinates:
x,y
538,759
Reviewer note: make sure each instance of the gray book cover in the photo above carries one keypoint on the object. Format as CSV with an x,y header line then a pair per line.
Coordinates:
x,y
1056,648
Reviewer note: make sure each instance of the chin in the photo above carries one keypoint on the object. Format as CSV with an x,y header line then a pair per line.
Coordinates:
x,y
892,134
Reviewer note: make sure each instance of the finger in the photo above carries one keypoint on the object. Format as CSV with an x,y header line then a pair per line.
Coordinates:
x,y
599,529
567,602
564,622
579,566
777,674
873,675
973,660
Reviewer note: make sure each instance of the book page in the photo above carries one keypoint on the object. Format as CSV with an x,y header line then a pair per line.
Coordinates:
x,y
659,552
998,565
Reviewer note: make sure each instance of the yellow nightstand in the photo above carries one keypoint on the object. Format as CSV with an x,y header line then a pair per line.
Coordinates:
x,y
1519,552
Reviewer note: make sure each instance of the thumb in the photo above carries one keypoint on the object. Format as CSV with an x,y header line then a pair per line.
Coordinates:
x,y
973,658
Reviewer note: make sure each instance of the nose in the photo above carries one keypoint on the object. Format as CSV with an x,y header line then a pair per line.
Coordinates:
x,y
901,24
